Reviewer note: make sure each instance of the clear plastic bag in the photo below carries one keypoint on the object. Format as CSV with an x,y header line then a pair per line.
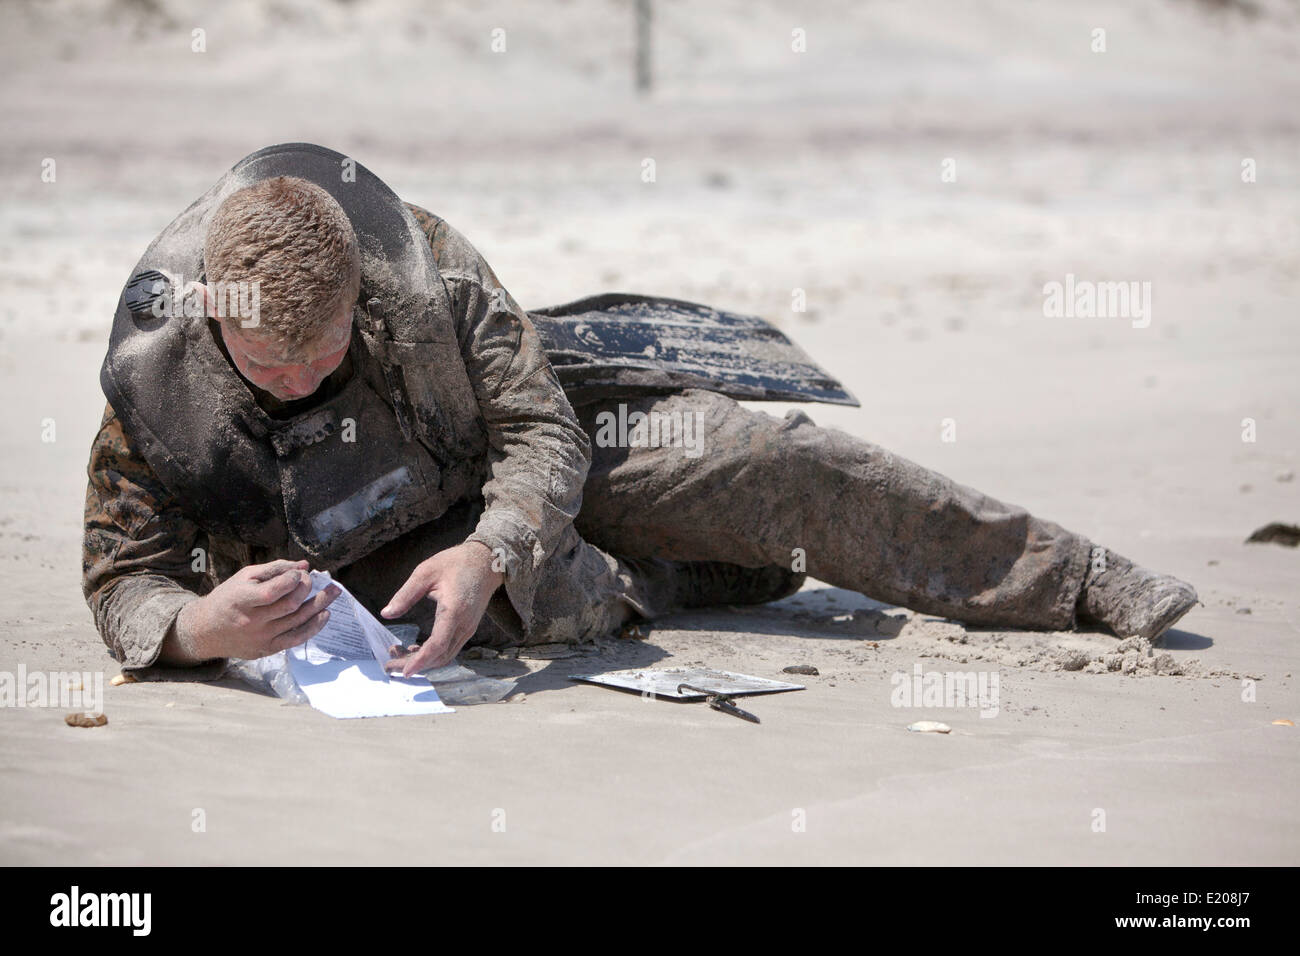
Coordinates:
x,y
455,684
270,675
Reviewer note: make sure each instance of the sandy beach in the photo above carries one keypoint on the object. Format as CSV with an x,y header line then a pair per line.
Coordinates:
x,y
1168,439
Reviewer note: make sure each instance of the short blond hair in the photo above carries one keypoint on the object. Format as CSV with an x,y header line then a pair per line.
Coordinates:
x,y
295,241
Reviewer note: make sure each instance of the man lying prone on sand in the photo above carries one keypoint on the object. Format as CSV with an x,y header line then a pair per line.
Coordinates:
x,y
391,416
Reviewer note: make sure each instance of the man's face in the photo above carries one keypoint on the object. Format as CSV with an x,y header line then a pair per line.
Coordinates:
x,y
289,377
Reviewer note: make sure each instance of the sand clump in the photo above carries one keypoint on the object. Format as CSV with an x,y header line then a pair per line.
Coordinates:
x,y
1056,651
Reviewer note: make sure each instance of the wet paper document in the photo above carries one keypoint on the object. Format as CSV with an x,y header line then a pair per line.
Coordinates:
x,y
340,668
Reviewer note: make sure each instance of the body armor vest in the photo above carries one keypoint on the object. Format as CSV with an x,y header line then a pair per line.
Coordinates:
x,y
395,447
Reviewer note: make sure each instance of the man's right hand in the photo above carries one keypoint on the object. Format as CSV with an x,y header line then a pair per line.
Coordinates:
x,y
259,610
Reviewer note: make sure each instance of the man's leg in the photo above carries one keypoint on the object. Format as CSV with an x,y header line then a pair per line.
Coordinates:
x,y
762,490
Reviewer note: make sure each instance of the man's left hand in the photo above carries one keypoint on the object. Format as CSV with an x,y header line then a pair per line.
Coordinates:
x,y
461,580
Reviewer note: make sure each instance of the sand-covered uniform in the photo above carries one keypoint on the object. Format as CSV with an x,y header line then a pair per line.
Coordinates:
x,y
149,549
589,530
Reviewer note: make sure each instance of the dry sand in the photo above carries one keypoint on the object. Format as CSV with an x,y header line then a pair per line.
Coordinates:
x,y
774,172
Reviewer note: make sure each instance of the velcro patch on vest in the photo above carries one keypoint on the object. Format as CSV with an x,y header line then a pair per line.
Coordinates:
x,y
362,507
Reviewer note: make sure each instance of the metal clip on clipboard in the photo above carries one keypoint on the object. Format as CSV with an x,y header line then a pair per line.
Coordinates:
x,y
720,702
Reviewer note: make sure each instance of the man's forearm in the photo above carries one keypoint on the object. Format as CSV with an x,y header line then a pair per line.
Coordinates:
x,y
181,647
539,454
137,550
137,615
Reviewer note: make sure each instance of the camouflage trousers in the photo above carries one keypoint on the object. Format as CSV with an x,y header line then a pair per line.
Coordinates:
x,y
703,478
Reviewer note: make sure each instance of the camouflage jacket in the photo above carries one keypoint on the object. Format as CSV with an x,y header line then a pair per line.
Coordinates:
x,y
139,564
